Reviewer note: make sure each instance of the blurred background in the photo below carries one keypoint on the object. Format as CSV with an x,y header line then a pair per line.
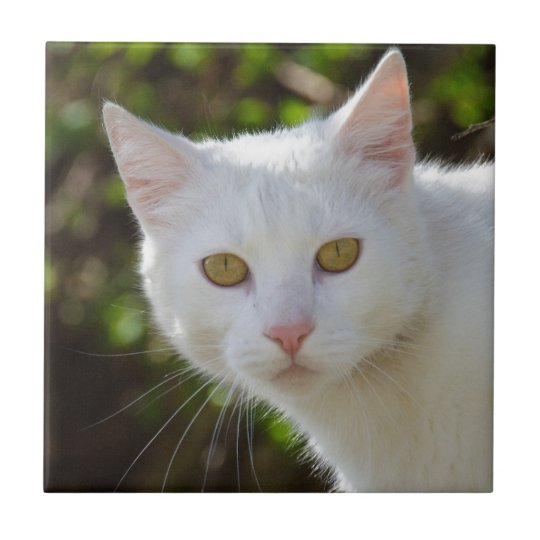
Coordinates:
x,y
97,322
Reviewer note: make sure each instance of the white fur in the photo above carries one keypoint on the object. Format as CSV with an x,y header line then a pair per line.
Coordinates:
x,y
401,397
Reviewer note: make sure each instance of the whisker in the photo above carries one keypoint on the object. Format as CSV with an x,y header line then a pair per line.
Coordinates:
x,y
130,404
180,371
216,346
358,401
169,420
390,344
249,434
237,444
118,355
178,384
185,433
215,434
169,377
230,419
383,405
189,367
400,386
130,308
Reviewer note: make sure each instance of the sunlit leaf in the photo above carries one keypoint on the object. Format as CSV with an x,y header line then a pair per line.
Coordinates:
x,y
220,395
77,115
142,99
188,56
252,112
102,50
139,54
293,111
125,320
280,430
115,194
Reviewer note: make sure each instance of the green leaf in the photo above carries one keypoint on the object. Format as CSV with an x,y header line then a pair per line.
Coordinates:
x,y
293,111
139,54
252,112
188,56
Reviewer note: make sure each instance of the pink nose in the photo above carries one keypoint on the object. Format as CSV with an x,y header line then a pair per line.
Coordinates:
x,y
290,337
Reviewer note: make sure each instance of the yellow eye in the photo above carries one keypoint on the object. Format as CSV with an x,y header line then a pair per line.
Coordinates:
x,y
338,255
225,269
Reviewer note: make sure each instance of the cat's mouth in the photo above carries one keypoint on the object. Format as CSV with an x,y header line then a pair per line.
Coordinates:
x,y
294,373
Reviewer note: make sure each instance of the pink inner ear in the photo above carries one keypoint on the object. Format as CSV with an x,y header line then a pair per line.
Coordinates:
x,y
151,168
147,194
379,126
152,179
395,145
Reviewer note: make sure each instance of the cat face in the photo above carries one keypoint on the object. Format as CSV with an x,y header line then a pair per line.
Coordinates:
x,y
281,261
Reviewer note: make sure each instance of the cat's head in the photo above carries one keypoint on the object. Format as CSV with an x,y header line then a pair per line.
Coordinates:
x,y
281,260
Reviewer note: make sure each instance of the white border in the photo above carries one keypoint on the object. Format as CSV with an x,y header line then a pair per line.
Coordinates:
x,y
510,510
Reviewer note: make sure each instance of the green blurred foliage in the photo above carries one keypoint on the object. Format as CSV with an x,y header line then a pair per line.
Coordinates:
x,y
94,305
466,89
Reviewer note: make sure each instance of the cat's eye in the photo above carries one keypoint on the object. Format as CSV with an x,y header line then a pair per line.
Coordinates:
x,y
338,255
225,269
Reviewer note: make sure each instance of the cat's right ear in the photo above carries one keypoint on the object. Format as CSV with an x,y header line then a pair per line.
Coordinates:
x,y
376,123
152,163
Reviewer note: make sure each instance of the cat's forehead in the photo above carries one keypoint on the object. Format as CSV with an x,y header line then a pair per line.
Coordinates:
x,y
264,212
276,191
281,150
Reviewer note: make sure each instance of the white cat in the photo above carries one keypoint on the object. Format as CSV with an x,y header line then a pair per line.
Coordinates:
x,y
320,269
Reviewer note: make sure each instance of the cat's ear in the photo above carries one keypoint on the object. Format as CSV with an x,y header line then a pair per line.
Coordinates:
x,y
376,123
152,163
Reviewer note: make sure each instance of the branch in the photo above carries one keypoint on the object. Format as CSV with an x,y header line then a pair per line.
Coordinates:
x,y
472,128
309,84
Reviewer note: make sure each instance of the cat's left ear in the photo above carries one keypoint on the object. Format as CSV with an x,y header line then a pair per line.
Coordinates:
x,y
376,123
154,164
